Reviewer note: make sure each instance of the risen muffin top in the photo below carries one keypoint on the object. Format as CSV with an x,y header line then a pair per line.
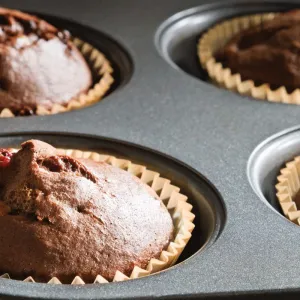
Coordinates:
x,y
269,53
39,65
63,217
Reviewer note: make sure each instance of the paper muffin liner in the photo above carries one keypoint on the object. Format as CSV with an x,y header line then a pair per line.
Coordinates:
x,y
216,38
102,80
288,188
176,203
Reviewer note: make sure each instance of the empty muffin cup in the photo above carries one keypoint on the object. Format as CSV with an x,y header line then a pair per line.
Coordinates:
x,y
288,190
216,38
176,203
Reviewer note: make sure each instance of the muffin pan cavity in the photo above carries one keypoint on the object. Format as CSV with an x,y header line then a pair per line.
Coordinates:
x,y
207,203
176,39
268,159
119,58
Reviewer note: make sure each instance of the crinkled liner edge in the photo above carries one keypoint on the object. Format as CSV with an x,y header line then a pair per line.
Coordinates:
x,y
176,203
102,70
287,187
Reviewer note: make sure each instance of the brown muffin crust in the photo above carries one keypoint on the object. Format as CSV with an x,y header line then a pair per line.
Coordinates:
x,y
63,217
268,53
39,65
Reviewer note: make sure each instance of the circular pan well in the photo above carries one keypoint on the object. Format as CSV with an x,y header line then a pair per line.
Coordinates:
x,y
207,203
118,57
266,161
176,38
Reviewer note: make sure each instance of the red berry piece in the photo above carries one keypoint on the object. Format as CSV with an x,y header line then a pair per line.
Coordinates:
x,y
5,157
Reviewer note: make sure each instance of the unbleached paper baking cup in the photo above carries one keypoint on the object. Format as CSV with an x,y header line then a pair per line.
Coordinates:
x,y
102,80
288,189
216,38
176,203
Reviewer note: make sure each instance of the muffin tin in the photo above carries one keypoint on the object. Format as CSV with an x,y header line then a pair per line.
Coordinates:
x,y
205,139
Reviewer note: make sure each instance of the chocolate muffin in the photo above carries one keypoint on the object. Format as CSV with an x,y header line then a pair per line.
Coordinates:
x,y
268,53
39,65
61,216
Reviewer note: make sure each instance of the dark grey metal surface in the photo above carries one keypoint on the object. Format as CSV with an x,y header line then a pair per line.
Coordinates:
x,y
210,129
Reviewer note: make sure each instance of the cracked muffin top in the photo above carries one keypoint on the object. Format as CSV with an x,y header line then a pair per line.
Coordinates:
x,y
39,65
62,217
268,53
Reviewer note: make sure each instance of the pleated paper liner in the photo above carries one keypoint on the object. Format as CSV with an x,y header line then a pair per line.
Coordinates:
x,y
102,74
176,203
216,38
288,188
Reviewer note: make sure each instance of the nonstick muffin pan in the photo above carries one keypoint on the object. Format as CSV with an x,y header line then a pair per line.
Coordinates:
x,y
211,138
